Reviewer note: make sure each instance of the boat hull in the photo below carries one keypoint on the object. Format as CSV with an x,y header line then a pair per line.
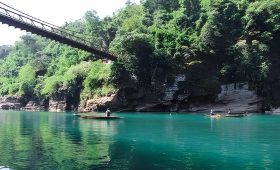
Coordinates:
x,y
227,115
235,115
99,117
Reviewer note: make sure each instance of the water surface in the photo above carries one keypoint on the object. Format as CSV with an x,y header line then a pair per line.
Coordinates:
x,y
41,140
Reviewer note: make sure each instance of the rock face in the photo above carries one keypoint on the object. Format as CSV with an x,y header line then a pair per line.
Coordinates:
x,y
35,105
57,103
170,91
10,102
237,97
173,96
275,111
100,104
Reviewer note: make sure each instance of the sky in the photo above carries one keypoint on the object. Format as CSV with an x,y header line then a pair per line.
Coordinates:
x,y
56,12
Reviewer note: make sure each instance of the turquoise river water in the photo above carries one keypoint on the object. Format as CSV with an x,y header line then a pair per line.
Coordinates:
x,y
42,140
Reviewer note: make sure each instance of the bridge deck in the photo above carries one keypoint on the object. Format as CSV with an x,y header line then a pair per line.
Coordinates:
x,y
56,34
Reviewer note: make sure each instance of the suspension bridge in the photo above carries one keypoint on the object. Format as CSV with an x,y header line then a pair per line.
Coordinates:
x,y
23,21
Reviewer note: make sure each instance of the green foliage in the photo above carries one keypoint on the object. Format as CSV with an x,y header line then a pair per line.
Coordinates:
x,y
5,84
52,85
22,85
98,81
67,82
135,51
133,22
26,80
210,41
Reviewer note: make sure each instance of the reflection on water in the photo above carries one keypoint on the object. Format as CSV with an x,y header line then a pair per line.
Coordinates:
x,y
51,141
30,140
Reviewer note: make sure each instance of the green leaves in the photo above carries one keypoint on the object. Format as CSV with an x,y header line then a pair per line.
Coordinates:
x,y
26,81
52,85
210,41
135,51
263,16
98,81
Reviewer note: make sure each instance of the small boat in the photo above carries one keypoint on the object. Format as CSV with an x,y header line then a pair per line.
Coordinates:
x,y
235,115
98,117
228,115
215,115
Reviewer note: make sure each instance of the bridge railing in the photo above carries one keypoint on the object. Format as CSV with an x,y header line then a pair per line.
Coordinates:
x,y
27,19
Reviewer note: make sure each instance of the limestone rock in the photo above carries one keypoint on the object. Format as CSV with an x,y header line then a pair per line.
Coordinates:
x,y
276,111
10,102
57,106
100,104
169,93
237,97
35,105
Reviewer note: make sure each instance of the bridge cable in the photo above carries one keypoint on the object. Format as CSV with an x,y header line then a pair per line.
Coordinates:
x,y
44,22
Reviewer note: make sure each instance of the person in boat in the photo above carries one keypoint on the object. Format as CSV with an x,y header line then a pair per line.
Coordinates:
x,y
108,112
212,112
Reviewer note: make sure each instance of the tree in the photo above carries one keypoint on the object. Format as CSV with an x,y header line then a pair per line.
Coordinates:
x,y
135,51
26,80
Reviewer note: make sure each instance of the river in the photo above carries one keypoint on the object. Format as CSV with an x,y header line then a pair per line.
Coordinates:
x,y
42,140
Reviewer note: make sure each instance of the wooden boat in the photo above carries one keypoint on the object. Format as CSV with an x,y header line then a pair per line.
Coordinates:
x,y
235,115
98,117
215,116
228,115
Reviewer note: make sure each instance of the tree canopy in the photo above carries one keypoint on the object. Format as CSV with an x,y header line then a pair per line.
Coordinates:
x,y
212,42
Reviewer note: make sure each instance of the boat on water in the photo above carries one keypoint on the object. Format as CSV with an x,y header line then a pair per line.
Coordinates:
x,y
97,117
236,115
228,115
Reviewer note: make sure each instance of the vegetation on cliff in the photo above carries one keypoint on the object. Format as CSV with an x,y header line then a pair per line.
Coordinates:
x,y
210,41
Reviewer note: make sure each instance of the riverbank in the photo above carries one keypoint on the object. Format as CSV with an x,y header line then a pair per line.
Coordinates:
x,y
237,97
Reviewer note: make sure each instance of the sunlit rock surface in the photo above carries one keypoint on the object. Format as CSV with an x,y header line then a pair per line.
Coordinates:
x,y
237,98
57,103
57,106
100,104
10,102
276,111
36,105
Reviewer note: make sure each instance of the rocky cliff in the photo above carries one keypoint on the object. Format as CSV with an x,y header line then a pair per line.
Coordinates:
x,y
100,104
236,97
10,102
275,111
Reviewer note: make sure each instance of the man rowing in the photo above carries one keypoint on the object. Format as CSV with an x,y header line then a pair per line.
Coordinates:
x,y
108,112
